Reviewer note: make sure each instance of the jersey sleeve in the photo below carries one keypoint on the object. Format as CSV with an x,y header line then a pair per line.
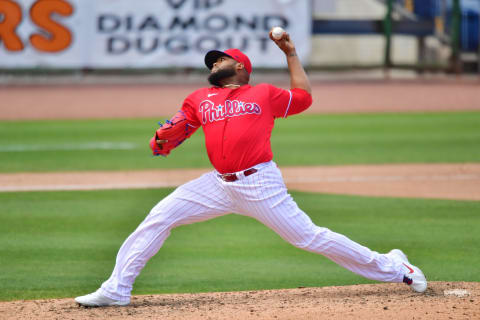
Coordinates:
x,y
190,112
289,102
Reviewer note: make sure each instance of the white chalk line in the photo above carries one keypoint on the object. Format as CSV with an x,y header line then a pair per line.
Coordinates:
x,y
80,187
105,145
163,184
456,292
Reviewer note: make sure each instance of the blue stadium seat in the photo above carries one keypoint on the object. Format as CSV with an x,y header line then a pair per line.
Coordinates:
x,y
426,9
470,30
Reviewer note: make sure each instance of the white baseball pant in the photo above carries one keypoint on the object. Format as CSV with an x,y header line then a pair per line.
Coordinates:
x,y
262,196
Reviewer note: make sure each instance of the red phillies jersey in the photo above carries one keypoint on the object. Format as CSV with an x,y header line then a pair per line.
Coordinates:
x,y
238,122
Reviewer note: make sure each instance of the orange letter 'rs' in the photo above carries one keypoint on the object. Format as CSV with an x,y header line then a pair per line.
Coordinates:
x,y
12,16
59,37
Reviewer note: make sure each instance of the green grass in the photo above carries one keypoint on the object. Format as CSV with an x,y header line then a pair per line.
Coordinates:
x,y
63,244
299,140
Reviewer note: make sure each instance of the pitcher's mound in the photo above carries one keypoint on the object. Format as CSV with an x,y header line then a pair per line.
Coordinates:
x,y
442,300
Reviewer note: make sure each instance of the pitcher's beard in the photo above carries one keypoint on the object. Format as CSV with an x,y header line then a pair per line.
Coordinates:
x,y
221,74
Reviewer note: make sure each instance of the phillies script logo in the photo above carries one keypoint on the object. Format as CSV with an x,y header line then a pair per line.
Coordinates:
x,y
234,108
53,37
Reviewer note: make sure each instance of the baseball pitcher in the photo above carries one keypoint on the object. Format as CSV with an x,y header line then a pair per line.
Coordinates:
x,y
237,120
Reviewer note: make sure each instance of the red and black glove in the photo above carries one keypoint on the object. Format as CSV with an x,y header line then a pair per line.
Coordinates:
x,y
171,134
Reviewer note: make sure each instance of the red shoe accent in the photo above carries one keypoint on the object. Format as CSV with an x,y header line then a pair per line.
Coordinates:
x,y
411,270
407,280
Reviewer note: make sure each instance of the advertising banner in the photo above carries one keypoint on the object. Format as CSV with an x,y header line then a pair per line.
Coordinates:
x,y
145,33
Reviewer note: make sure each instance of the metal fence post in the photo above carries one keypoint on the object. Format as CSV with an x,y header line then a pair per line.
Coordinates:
x,y
478,57
455,37
387,26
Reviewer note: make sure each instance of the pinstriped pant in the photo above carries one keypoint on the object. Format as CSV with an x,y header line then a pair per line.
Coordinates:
x,y
262,196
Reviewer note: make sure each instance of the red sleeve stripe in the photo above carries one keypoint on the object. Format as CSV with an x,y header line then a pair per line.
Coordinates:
x,y
289,102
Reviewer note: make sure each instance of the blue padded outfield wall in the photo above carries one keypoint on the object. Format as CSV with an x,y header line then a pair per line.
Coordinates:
x,y
470,29
470,25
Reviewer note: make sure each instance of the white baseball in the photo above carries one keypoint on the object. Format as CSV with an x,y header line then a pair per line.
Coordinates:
x,y
277,33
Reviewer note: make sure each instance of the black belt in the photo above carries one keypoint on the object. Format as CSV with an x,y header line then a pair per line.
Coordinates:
x,y
230,177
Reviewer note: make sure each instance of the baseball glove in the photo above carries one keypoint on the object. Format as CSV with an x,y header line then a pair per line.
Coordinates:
x,y
171,134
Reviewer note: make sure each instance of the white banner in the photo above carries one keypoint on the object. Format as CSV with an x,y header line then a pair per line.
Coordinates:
x,y
146,33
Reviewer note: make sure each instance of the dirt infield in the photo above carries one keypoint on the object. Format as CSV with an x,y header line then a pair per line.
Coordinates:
x,y
442,300
150,100
436,181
